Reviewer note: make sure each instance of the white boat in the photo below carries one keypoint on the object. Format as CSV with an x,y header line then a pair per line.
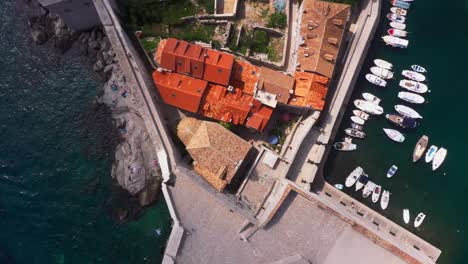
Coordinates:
x,y
439,158
406,0
368,189
419,219
398,11
406,215
346,145
358,120
395,42
431,153
371,98
396,25
368,107
394,135
420,147
381,72
385,199
361,114
376,80
411,97
363,179
414,75
352,132
353,176
383,64
414,86
397,32
418,68
376,193
396,18
406,111
339,186
357,126
392,171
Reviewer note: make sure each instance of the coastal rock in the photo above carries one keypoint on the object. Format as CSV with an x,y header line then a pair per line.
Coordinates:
x,y
98,66
108,70
39,36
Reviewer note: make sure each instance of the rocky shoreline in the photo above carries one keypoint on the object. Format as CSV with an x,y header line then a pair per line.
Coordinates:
x,y
134,170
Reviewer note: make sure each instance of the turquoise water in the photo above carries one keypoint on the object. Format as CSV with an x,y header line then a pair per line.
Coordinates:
x,y
55,184
439,42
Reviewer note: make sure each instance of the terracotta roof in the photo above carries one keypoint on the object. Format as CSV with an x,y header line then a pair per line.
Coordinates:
x,y
217,153
322,29
244,76
276,83
218,67
180,90
311,90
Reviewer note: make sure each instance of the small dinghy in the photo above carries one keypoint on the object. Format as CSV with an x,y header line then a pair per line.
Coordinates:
x,y
376,193
396,18
393,169
401,121
414,86
396,25
418,68
397,32
346,145
368,189
353,176
371,98
381,72
385,199
383,64
416,76
361,114
339,186
411,97
376,80
420,147
358,120
439,158
406,216
394,135
363,179
395,41
431,153
398,11
368,107
419,219
352,132
401,4
406,111
357,126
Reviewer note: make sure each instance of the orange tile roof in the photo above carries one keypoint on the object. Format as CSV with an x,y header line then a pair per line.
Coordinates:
x,y
244,76
311,90
218,67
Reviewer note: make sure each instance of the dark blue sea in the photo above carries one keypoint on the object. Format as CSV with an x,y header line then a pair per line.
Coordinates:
x,y
55,183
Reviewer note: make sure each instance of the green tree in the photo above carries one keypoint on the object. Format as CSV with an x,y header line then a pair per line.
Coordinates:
x,y
260,41
277,20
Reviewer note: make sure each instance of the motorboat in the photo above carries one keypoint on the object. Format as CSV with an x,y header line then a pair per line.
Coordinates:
x,y
371,98
431,153
376,193
381,72
339,186
416,76
418,68
385,199
363,179
407,111
383,64
401,4
439,158
396,25
414,86
358,120
396,18
353,176
420,147
397,32
395,41
419,219
368,107
406,216
368,189
346,145
401,121
376,80
357,126
393,169
411,97
398,11
394,135
407,0
352,132
361,114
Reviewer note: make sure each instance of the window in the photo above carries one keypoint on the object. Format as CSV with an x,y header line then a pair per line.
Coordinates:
x,y
179,63
220,70
241,69
173,95
195,67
